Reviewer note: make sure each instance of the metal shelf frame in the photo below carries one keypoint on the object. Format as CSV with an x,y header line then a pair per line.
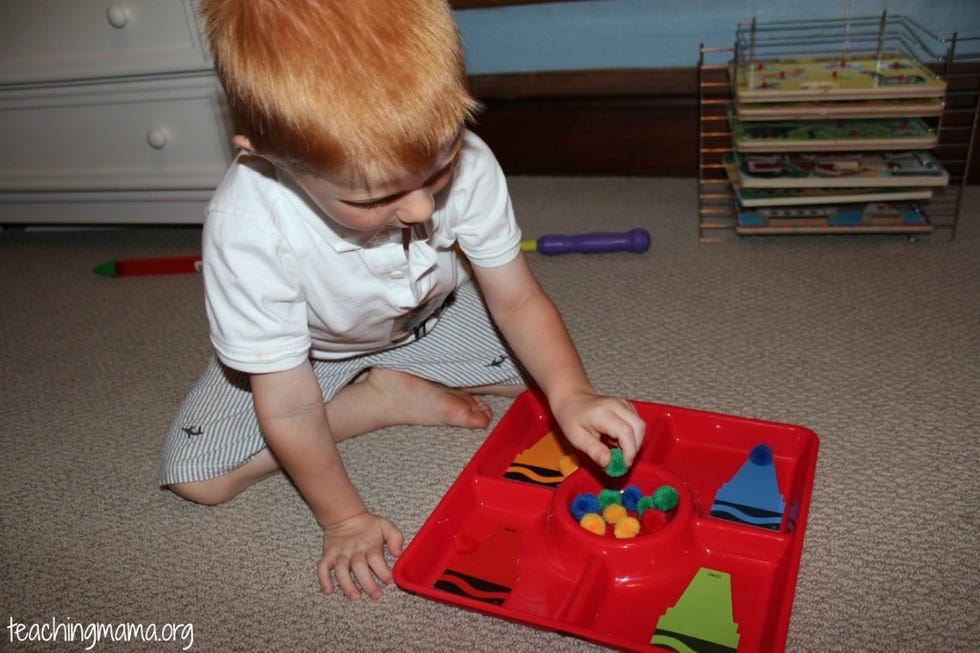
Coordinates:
x,y
954,58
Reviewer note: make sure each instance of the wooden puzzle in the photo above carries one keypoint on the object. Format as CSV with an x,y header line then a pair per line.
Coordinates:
x,y
816,135
859,77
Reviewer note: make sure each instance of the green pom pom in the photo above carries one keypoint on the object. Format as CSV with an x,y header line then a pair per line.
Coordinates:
x,y
616,466
643,503
608,497
665,498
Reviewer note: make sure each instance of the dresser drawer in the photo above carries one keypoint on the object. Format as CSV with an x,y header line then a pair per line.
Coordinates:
x,y
56,40
167,134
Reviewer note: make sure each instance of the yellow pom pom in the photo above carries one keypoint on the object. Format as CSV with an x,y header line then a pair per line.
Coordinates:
x,y
594,523
627,527
567,464
613,513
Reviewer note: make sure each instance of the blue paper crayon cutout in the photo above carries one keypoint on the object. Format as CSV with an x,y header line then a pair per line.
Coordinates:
x,y
752,496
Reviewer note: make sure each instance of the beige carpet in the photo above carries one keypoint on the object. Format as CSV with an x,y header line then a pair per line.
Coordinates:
x,y
874,343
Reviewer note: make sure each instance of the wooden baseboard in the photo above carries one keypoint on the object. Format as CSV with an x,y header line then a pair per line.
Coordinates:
x,y
603,122
618,122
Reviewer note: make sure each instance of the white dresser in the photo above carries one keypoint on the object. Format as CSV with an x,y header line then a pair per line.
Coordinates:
x,y
109,113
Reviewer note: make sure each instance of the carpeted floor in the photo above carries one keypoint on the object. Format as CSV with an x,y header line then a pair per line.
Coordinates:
x,y
873,343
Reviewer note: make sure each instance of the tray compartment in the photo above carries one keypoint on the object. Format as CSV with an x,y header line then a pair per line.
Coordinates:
x,y
708,451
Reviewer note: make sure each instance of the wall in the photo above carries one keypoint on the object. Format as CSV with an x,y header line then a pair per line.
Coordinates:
x,y
610,87
592,34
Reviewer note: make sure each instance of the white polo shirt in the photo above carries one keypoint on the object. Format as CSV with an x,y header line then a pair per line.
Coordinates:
x,y
284,282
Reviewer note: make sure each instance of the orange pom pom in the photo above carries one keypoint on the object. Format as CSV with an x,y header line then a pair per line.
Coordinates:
x,y
627,527
613,513
593,523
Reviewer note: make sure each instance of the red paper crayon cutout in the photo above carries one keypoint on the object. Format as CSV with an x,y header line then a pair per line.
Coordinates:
x,y
484,571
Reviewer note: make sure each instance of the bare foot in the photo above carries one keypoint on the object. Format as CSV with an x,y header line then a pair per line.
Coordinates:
x,y
387,397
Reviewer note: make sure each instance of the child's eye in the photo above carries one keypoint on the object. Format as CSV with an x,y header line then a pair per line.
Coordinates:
x,y
372,206
385,201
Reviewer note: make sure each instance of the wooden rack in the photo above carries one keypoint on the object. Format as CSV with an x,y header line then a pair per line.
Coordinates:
x,y
954,59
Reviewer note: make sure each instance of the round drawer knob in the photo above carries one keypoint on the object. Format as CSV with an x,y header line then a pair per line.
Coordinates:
x,y
117,15
157,138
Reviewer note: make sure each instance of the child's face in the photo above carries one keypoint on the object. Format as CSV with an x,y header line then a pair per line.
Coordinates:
x,y
406,200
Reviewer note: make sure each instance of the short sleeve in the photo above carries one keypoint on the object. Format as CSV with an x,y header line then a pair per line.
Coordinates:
x,y
255,307
484,225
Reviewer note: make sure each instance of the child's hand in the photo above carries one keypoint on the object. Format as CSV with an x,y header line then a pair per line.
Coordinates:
x,y
353,550
585,418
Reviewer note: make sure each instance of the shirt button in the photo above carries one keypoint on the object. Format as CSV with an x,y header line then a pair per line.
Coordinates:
x,y
397,274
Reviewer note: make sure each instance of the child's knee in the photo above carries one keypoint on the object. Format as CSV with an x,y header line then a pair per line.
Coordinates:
x,y
223,488
211,492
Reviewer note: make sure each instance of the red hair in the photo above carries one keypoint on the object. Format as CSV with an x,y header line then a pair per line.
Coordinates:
x,y
366,88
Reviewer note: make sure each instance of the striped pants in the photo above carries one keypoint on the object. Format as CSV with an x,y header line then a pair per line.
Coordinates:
x,y
216,429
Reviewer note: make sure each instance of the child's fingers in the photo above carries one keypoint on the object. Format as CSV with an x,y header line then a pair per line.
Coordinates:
x,y
323,574
393,539
379,566
343,573
362,572
598,452
613,419
623,431
632,436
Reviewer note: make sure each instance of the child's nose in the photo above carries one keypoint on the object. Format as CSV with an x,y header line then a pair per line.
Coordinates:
x,y
417,206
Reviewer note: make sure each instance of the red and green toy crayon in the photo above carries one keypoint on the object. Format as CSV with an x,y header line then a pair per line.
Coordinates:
x,y
147,266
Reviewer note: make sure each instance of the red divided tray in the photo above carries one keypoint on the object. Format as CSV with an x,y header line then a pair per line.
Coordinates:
x,y
717,572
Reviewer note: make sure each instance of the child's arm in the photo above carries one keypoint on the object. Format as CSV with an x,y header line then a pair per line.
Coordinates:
x,y
534,329
290,409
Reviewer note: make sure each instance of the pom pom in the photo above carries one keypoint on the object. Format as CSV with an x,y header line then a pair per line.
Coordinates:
x,y
608,497
567,464
627,527
593,523
613,513
761,455
583,504
665,498
631,496
617,465
643,503
653,520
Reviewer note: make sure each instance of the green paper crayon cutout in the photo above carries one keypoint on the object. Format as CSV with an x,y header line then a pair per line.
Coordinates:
x,y
701,620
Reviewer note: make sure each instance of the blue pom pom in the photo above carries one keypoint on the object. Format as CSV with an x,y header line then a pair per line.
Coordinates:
x,y
583,504
761,455
631,495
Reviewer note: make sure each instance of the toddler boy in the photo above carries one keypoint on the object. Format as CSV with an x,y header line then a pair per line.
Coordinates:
x,y
337,300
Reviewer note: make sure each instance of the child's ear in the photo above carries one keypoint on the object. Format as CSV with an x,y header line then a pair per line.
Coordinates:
x,y
242,143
